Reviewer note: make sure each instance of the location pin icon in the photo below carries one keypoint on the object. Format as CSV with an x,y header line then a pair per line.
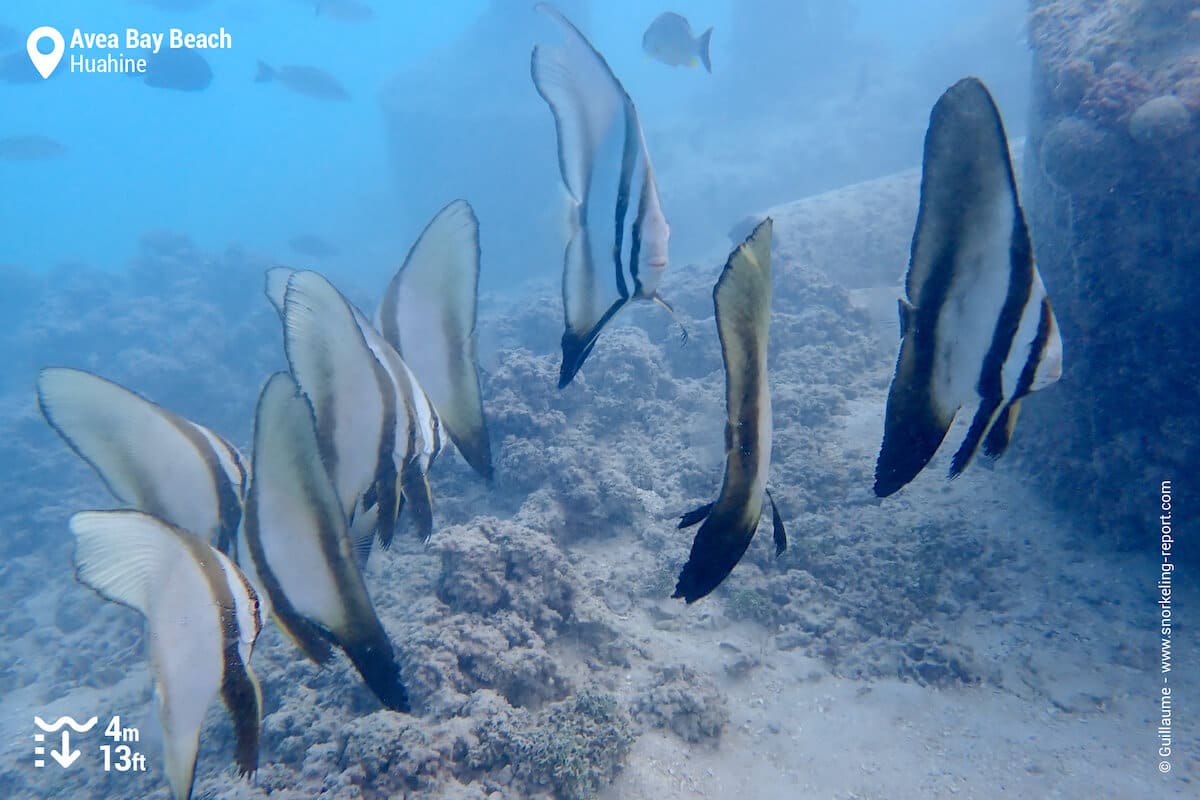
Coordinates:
x,y
45,62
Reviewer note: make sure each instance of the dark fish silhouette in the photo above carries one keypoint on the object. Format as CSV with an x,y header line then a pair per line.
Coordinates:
x,y
308,81
9,38
30,148
309,244
345,10
184,70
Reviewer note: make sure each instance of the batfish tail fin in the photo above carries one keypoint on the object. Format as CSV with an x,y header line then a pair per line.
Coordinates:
x,y
702,45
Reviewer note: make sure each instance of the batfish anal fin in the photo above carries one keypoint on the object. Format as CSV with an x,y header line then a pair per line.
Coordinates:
x,y
695,516
908,313
576,348
718,547
375,660
1000,435
419,496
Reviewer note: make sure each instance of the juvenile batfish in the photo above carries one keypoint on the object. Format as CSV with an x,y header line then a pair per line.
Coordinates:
x,y
202,619
976,326
669,39
149,457
742,298
618,246
300,552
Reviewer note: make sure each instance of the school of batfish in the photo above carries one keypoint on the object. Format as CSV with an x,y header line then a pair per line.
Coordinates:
x,y
207,545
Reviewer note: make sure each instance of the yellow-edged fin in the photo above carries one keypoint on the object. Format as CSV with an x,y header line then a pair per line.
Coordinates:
x,y
296,534
195,602
742,298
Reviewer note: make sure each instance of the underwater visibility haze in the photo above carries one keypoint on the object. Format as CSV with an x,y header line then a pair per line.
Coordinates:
x,y
490,399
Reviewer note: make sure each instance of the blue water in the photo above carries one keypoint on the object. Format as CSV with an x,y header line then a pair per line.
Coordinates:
x,y
254,164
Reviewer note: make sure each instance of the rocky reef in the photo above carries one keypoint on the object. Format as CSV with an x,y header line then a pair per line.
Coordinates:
x,y
1111,179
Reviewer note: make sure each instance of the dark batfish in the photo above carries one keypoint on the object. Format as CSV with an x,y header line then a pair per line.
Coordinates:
x,y
183,70
617,252
30,148
976,326
669,39
308,81
345,10
742,298
308,244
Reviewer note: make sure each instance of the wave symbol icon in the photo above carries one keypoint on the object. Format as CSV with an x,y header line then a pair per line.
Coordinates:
x,y
61,721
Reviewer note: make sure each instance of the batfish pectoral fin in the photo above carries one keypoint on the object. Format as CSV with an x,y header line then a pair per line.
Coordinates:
x,y
577,347
981,424
907,314
777,530
683,331
419,496
1000,435
695,516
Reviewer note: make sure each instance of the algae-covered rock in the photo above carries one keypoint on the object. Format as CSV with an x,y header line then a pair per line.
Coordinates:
x,y
1160,121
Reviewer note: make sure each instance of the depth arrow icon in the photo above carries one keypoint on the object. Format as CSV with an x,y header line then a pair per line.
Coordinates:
x,y
66,757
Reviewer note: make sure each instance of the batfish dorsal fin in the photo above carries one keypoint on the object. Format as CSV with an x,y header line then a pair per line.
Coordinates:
x,y
149,457
742,298
275,286
428,315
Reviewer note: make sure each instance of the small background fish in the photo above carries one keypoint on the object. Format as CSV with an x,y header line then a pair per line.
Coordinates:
x,y
33,147
309,81
669,39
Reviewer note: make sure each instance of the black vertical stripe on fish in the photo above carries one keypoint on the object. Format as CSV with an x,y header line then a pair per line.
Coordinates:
x,y
305,634
238,690
629,156
998,437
